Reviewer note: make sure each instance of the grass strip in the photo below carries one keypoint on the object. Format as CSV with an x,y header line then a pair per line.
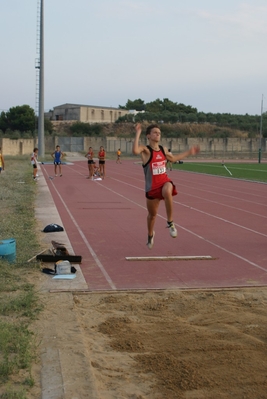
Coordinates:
x,y
19,304
245,171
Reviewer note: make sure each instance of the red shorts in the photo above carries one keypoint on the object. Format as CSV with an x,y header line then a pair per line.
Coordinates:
x,y
157,193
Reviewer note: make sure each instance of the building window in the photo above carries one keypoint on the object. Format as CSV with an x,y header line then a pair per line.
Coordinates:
x,y
102,115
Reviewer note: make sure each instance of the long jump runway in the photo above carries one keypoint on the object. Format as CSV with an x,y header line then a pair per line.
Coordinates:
x,y
221,223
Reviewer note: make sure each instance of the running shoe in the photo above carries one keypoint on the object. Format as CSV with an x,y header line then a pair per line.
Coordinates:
x,y
172,229
150,241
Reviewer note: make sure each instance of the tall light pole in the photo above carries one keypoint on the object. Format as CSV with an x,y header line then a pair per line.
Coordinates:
x,y
41,143
260,130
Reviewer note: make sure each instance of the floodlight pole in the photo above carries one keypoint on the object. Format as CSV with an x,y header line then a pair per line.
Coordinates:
x,y
260,130
41,144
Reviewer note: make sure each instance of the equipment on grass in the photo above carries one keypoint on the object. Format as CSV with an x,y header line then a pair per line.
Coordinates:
x,y
55,258
227,170
53,227
62,267
59,253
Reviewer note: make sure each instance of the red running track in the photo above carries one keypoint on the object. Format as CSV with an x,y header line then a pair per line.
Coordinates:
x,y
106,222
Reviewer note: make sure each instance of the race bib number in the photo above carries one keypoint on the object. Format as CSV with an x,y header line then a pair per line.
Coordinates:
x,y
158,168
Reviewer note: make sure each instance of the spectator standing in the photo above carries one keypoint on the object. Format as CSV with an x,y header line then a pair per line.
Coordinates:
x,y
34,157
2,162
90,157
102,162
57,156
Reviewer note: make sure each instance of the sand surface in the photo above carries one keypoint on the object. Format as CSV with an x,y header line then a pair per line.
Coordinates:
x,y
163,344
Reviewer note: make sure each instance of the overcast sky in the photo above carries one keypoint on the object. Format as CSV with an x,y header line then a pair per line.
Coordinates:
x,y
210,54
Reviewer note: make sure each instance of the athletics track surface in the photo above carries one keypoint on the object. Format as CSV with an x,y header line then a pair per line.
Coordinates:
x,y
106,222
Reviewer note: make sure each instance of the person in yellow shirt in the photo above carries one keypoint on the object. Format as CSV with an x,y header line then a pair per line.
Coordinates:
x,y
2,162
118,156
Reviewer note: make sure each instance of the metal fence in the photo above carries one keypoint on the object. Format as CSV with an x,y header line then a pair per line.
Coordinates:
x,y
71,144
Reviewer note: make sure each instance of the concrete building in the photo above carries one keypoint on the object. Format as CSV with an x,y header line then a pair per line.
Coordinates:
x,y
85,113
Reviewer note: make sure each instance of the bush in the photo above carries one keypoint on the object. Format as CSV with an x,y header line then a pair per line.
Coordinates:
x,y
80,129
14,135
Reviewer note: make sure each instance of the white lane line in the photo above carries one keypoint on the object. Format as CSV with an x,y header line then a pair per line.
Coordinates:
x,y
200,183
224,249
197,210
191,232
194,196
221,204
94,255
227,195
221,219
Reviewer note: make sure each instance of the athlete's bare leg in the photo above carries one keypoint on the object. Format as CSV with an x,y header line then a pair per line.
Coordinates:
x,y
167,195
152,207
91,171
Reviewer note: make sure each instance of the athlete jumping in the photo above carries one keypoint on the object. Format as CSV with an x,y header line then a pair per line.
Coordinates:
x,y
158,185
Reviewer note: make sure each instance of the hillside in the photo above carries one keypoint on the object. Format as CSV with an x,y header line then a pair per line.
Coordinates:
x,y
168,130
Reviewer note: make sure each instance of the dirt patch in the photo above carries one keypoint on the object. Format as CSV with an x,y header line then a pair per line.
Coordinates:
x,y
168,344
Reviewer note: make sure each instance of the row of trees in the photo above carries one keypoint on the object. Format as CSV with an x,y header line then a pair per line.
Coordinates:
x,y
21,120
158,106
166,111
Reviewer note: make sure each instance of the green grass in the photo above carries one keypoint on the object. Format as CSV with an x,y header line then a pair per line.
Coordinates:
x,y
19,303
246,171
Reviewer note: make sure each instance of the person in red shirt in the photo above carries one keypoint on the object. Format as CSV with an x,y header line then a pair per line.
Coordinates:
x,y
102,161
158,185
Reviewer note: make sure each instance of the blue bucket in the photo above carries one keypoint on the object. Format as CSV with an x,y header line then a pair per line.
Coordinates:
x,y
8,250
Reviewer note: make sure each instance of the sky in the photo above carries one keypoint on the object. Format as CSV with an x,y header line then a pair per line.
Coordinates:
x,y
209,54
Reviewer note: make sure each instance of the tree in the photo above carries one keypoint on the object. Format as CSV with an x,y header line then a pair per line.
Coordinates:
x,y
85,129
169,106
138,105
192,117
186,109
3,122
21,118
155,106
48,126
201,117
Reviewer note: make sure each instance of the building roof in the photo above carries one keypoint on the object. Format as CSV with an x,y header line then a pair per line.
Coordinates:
x,y
69,105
